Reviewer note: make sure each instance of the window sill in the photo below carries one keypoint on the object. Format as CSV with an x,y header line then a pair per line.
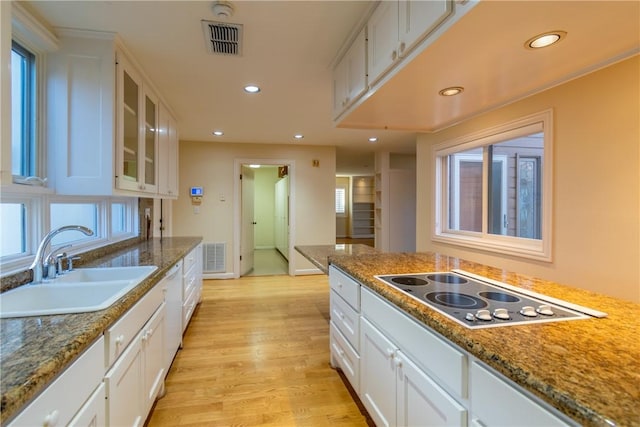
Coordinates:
x,y
503,245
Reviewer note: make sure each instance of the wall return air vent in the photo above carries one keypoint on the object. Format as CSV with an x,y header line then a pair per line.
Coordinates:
x,y
222,38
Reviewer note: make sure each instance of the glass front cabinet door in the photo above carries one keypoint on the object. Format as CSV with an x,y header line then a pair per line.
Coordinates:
x,y
137,140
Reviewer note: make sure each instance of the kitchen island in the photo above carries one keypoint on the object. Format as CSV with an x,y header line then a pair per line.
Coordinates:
x,y
35,350
588,369
319,254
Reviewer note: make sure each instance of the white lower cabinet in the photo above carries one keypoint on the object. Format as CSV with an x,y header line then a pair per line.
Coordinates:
x,y
495,402
396,392
93,412
71,398
410,376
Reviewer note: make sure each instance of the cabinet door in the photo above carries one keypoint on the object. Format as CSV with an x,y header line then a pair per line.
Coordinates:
x,y
377,375
92,413
356,60
382,30
167,154
494,402
421,402
173,316
149,149
339,88
130,107
153,347
417,19
124,384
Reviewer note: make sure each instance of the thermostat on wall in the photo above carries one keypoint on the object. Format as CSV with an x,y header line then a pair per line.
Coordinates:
x,y
196,191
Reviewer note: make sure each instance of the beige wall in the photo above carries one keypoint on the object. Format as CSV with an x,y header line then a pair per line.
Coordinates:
x,y
211,165
596,190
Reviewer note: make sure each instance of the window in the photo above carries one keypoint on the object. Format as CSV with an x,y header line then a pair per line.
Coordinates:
x,y
13,236
23,112
85,214
341,197
493,189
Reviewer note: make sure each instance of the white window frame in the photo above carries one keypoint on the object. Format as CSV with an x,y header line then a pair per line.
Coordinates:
x,y
35,37
538,249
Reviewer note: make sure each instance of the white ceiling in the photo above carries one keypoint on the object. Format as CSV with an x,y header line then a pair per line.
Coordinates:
x,y
290,47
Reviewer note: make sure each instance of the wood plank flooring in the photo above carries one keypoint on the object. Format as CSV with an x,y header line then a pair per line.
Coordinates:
x,y
257,354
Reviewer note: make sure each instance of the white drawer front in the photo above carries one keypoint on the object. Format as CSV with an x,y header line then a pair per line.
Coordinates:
x,y
494,402
429,352
188,307
66,395
189,281
346,319
346,357
345,286
190,260
120,334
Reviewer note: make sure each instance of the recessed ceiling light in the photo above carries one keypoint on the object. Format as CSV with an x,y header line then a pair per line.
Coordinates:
x,y
252,89
451,91
545,39
254,166
298,136
218,133
373,139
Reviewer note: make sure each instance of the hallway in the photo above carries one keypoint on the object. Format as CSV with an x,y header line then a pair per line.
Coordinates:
x,y
268,262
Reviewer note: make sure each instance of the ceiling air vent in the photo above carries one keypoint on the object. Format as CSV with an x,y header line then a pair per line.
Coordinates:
x,y
222,38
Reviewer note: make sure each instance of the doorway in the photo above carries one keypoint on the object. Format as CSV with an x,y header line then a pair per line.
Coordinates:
x,y
264,223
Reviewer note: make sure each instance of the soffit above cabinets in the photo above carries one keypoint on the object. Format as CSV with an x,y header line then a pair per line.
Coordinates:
x,y
484,52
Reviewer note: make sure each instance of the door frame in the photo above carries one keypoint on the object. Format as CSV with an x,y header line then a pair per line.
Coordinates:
x,y
237,208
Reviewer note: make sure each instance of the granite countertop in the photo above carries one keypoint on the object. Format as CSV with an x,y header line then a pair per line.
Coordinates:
x,y
34,350
588,369
319,254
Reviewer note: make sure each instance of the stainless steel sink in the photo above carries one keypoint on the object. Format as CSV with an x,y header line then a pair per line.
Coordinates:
x,y
82,290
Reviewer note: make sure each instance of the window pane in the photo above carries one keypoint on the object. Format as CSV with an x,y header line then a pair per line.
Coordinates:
x,y
13,228
22,112
118,218
340,200
515,187
73,214
465,190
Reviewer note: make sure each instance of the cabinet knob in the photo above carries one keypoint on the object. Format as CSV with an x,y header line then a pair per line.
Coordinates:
x,y
394,55
119,340
398,362
51,419
390,352
402,47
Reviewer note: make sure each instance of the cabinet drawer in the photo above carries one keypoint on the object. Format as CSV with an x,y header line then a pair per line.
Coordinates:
x,y
67,394
190,260
439,359
188,307
345,357
345,286
495,402
120,334
189,281
346,319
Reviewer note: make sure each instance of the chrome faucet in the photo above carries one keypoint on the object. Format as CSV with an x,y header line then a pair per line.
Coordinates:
x,y
38,265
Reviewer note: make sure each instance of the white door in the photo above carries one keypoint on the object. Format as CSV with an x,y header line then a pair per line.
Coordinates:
x,y
247,222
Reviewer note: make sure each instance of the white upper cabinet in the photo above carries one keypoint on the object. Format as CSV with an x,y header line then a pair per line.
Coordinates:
x,y
167,153
350,75
395,28
136,124
103,126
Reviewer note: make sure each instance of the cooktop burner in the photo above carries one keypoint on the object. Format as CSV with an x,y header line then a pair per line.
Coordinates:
x,y
478,302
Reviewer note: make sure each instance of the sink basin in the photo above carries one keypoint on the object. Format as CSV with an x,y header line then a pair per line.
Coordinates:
x,y
82,290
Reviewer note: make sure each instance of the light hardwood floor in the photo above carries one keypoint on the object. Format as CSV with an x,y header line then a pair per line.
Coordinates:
x,y
257,354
